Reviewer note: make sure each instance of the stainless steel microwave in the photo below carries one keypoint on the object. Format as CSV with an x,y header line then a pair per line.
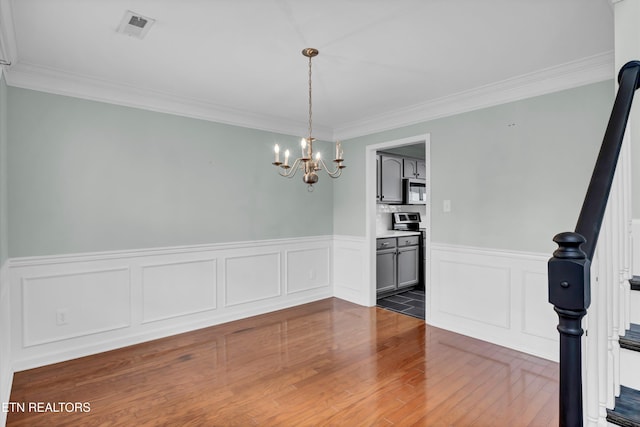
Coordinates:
x,y
414,191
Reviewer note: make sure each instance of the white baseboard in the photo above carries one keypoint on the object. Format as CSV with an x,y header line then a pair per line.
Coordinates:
x,y
63,307
493,295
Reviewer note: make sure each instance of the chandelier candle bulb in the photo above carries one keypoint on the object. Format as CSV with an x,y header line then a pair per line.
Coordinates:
x,y
277,151
338,150
286,158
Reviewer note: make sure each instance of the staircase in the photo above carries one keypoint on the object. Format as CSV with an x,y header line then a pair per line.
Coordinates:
x,y
588,287
627,406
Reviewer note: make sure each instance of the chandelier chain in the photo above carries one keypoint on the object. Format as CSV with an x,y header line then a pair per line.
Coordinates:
x,y
310,113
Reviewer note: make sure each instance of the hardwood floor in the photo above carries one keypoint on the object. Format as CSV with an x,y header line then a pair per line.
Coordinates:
x,y
327,363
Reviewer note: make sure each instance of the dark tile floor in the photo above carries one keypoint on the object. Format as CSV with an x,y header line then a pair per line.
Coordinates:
x,y
410,303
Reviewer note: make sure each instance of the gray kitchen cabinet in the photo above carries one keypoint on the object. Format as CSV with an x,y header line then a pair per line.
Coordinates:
x,y
408,261
386,270
391,168
421,167
397,263
414,168
378,180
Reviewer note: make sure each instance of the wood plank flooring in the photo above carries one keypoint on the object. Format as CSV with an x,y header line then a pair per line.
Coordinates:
x,y
328,363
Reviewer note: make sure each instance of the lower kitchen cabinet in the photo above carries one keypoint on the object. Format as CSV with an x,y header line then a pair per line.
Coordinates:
x,y
397,263
408,262
385,270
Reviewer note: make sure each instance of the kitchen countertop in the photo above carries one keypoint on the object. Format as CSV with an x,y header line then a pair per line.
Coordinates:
x,y
395,233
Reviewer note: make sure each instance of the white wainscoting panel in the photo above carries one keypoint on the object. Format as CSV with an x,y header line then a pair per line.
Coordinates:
x,y
252,278
177,289
307,269
534,301
6,371
493,295
349,269
88,301
68,306
460,291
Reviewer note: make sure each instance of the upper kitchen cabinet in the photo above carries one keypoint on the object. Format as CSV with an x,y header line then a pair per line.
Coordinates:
x,y
414,168
391,168
378,180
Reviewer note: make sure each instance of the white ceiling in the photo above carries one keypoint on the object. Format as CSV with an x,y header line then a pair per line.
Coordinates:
x,y
382,63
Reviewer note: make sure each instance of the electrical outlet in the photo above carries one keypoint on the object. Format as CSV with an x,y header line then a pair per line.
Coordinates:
x,y
446,206
62,316
312,274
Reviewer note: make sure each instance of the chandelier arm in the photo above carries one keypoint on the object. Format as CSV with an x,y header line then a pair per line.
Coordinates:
x,y
333,174
292,171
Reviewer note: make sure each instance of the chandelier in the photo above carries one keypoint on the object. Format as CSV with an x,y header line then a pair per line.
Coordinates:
x,y
308,163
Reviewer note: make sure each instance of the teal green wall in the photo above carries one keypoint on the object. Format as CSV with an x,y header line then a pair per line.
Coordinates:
x,y
4,238
515,173
88,176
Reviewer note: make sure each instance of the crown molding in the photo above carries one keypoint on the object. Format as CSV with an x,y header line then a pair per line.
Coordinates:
x,y
20,74
7,35
50,80
566,76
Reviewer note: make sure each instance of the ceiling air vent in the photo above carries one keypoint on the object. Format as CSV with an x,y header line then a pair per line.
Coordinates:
x,y
135,25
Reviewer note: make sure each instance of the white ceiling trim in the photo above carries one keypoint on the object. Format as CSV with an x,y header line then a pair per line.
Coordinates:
x,y
7,41
62,83
20,74
566,76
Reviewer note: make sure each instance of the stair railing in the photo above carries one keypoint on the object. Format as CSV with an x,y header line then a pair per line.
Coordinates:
x,y
569,268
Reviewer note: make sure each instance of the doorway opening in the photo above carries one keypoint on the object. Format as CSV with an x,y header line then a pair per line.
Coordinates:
x,y
408,297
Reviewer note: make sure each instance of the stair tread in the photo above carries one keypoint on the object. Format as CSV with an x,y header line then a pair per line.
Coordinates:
x,y
635,283
631,339
626,411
